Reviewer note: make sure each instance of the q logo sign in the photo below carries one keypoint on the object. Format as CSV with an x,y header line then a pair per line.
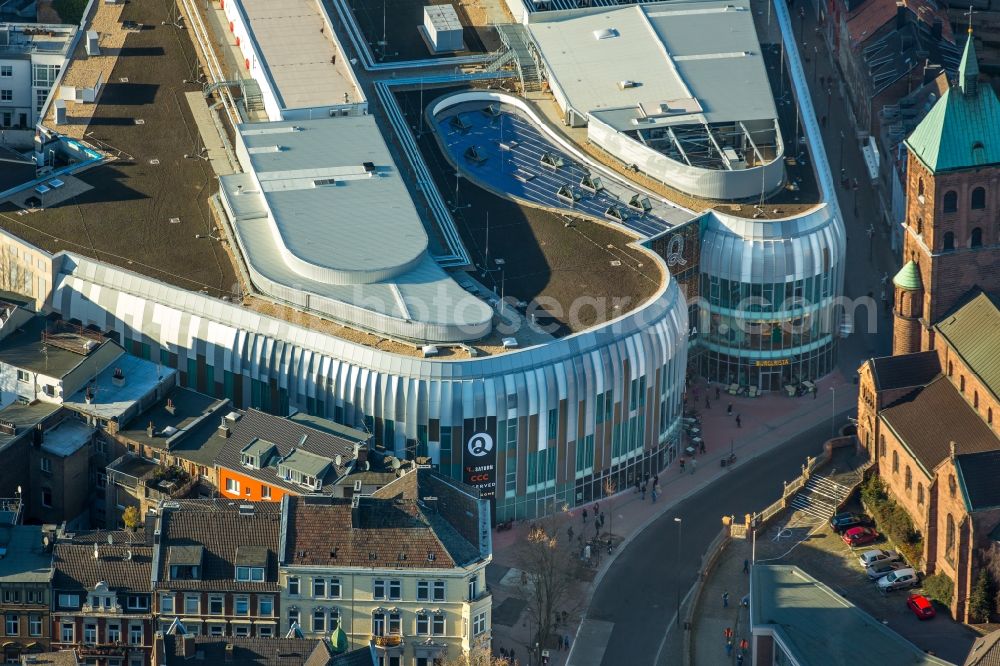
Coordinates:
x,y
480,444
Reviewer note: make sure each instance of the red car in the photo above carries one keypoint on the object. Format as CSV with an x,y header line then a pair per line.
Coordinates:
x,y
857,536
921,606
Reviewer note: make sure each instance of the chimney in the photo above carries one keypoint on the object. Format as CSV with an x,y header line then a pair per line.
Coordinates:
x,y
901,15
185,647
229,651
952,447
170,407
150,430
224,429
118,378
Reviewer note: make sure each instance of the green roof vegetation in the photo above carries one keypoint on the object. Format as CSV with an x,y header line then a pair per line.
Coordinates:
x,y
963,129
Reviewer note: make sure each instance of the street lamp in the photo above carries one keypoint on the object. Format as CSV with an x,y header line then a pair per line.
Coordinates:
x,y
871,240
833,411
678,568
815,60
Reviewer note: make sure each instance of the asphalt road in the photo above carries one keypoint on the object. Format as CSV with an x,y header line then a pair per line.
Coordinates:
x,y
639,592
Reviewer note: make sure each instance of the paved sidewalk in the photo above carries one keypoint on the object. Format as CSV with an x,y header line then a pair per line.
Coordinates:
x,y
708,636
767,422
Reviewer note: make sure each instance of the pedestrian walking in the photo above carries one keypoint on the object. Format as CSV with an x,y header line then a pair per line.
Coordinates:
x,y
739,421
746,566
694,465
584,515
739,660
729,409
656,479
708,405
597,507
602,519
570,532
654,494
637,485
567,641
682,465
729,647
644,492
717,394
646,479
701,446
744,645
725,599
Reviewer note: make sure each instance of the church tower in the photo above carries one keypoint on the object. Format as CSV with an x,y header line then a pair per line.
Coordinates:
x,y
952,204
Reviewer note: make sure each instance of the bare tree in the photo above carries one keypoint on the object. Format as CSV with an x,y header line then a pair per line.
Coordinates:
x,y
478,656
13,275
552,572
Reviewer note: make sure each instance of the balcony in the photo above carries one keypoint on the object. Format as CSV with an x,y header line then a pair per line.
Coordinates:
x,y
150,480
103,649
96,610
388,641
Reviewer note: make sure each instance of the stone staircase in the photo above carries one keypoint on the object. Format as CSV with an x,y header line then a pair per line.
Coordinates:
x,y
820,498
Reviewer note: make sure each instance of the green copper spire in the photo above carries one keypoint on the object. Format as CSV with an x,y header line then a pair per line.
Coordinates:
x,y
968,70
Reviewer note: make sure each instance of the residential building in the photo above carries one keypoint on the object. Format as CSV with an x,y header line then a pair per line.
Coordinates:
x,y
48,361
101,598
59,471
404,568
796,620
216,567
31,57
180,650
18,425
25,587
266,457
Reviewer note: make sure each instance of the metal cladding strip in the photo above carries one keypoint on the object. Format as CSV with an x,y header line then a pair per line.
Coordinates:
x,y
354,380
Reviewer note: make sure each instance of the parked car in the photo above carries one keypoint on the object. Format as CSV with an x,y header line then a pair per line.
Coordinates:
x,y
870,557
859,536
876,571
845,520
898,580
921,606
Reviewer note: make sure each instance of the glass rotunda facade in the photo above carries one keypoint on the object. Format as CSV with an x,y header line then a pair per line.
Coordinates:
x,y
768,289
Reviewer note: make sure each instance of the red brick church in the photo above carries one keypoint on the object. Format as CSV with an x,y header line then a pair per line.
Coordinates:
x,y
926,414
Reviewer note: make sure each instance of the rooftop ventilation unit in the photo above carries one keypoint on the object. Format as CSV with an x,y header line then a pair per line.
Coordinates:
x,y
605,33
628,83
324,182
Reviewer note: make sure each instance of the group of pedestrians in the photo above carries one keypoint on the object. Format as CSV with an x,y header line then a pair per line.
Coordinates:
x,y
744,645
643,484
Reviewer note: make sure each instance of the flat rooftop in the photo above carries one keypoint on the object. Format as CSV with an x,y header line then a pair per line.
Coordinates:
x,y
686,62
67,438
108,400
299,54
322,209
25,418
30,348
23,559
816,623
37,38
142,210
183,422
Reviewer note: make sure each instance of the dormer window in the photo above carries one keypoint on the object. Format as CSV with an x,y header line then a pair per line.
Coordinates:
x,y
250,574
250,461
185,562
257,454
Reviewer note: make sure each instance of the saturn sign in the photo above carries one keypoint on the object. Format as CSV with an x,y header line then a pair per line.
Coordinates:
x,y
480,444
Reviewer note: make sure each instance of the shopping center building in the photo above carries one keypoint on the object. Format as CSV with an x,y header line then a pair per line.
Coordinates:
x,y
364,326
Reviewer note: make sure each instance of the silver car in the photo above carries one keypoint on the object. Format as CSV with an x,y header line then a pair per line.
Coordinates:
x,y
880,569
898,580
876,556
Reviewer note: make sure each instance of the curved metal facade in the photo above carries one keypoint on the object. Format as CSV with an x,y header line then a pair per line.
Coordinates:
x,y
768,289
564,415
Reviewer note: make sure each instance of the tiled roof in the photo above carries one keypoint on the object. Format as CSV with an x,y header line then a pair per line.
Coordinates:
x,y
895,372
76,568
60,658
961,131
364,656
246,651
456,503
985,651
973,330
220,528
286,435
928,419
387,533
978,474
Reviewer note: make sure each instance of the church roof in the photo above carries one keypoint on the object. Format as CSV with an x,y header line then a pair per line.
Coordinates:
x,y
963,129
908,277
